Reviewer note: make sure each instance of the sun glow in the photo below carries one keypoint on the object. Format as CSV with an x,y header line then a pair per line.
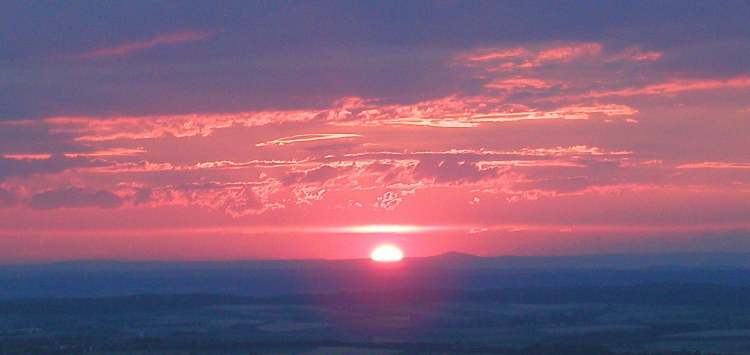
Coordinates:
x,y
384,228
386,254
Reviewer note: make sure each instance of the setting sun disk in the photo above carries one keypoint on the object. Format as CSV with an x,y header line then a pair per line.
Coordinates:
x,y
387,254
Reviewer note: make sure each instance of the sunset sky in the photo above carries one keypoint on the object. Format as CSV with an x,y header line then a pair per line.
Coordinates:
x,y
232,130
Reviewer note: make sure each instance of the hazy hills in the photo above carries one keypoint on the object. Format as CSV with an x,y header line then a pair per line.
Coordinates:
x,y
451,260
452,270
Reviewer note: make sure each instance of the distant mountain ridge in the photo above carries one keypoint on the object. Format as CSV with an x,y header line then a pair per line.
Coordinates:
x,y
456,260
99,278
597,261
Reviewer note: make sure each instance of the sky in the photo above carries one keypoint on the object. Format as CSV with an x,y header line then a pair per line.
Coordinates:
x,y
320,129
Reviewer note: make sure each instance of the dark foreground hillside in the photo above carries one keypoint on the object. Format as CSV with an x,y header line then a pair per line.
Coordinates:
x,y
635,319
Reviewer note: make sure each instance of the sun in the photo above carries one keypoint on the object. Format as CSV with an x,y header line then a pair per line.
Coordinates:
x,y
386,254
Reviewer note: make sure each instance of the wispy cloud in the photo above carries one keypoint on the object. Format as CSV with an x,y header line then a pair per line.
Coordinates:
x,y
452,112
517,83
715,165
481,115
635,54
674,87
520,58
509,59
39,156
93,129
112,152
307,138
128,48
492,55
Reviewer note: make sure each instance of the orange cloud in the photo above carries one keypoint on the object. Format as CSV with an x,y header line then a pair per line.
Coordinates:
x,y
131,47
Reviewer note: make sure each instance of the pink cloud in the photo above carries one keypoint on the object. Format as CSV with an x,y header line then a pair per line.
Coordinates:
x,y
234,199
571,150
131,167
128,48
320,174
309,181
508,59
517,83
111,152
389,201
558,151
493,55
149,166
467,112
307,138
95,129
674,87
442,170
93,154
568,53
635,54
714,165
41,156
450,112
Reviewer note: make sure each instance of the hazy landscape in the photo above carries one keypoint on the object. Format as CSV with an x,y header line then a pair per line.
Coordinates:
x,y
453,303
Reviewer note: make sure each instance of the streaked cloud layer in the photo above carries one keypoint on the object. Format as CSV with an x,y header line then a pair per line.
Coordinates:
x,y
129,48
315,130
